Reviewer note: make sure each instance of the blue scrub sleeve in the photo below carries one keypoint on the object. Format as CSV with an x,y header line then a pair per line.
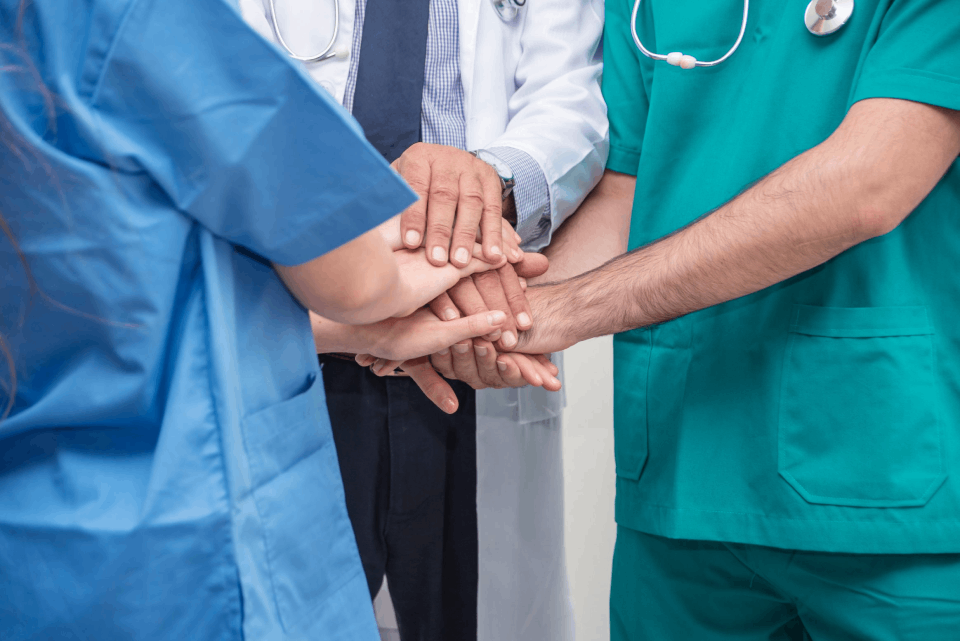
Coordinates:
x,y
916,55
237,136
624,87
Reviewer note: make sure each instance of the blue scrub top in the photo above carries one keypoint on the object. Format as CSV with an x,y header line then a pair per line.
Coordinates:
x,y
167,471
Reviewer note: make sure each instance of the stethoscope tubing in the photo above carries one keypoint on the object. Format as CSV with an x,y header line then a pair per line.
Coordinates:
x,y
323,55
657,56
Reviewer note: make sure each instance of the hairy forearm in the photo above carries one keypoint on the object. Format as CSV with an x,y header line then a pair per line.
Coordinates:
x,y
598,231
860,183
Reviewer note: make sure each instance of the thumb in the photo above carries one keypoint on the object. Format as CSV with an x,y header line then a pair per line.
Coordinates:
x,y
533,264
455,331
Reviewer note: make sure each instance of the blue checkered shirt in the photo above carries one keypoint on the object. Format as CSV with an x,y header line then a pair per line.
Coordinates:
x,y
443,121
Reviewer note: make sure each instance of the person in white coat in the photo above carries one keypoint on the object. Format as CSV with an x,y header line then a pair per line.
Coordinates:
x,y
464,513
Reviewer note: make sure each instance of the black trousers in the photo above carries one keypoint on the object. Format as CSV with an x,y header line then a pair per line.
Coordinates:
x,y
410,478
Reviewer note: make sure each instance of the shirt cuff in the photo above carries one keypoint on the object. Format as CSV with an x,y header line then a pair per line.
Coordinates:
x,y
531,195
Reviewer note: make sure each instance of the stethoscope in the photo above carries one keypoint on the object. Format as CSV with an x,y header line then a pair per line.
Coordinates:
x,y
822,18
506,9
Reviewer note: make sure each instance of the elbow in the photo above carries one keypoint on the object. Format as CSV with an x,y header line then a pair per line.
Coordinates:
x,y
880,210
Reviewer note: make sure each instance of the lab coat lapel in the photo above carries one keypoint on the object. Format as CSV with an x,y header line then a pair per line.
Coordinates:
x,y
468,12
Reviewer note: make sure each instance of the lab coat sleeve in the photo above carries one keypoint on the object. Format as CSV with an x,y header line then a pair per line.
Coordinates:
x,y
624,87
916,54
236,135
557,115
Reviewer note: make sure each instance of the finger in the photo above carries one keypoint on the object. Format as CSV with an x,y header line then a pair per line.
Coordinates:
x,y
511,241
516,299
432,385
491,220
509,372
442,361
415,169
491,289
548,364
365,360
528,370
486,357
444,307
533,264
465,364
466,297
442,200
462,329
548,371
470,206
523,283
385,367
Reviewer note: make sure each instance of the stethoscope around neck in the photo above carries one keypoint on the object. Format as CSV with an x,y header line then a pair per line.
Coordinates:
x,y
506,9
822,17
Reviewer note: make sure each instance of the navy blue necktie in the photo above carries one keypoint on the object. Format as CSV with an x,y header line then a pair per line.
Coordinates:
x,y
389,92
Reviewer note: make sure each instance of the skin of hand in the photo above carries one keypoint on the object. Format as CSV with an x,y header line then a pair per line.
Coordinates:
x,y
490,370
401,339
503,290
458,193
860,183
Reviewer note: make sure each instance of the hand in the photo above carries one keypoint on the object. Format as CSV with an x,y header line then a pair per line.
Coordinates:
x,y
458,193
419,334
477,364
421,282
557,327
503,290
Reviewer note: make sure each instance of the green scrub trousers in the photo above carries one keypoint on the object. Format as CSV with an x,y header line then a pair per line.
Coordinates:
x,y
707,591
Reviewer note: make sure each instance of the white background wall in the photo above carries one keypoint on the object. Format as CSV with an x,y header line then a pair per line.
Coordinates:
x,y
589,477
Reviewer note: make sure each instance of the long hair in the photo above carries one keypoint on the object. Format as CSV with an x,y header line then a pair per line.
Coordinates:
x,y
16,61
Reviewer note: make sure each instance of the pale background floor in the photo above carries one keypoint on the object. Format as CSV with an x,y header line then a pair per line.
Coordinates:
x,y
589,485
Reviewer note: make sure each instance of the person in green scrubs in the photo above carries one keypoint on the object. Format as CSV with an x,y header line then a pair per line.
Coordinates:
x,y
787,358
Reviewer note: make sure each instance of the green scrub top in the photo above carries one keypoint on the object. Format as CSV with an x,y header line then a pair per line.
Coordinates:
x,y
822,413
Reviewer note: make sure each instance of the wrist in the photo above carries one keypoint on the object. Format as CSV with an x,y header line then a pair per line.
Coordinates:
x,y
330,336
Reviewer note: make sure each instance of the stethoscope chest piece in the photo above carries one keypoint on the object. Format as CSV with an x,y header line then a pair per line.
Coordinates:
x,y
824,17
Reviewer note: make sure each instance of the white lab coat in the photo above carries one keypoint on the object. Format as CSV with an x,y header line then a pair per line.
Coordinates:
x,y
531,84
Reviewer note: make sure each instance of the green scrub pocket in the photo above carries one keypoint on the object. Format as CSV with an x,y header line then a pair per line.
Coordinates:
x,y
631,365
860,407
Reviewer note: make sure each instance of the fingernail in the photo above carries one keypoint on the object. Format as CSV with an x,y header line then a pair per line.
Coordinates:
x,y
449,314
439,254
495,318
524,319
495,251
501,365
461,349
413,238
517,254
444,351
449,406
518,237
481,351
509,339
463,256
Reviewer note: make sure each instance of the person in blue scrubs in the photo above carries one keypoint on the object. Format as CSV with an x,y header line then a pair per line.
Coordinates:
x,y
166,465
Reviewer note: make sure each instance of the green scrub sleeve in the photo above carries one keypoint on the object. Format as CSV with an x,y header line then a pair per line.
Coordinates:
x,y
236,135
624,89
916,55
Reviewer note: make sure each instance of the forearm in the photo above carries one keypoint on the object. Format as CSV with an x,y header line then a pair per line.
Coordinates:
x,y
597,232
860,183
355,283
